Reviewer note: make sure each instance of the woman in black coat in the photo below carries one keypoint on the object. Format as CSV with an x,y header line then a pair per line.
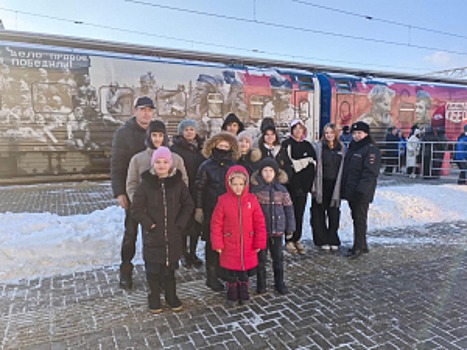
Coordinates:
x,y
189,145
361,169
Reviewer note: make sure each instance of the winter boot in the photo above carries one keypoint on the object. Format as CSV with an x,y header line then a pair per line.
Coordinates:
x,y
212,281
279,283
232,293
195,261
243,294
185,259
154,296
261,281
171,293
126,271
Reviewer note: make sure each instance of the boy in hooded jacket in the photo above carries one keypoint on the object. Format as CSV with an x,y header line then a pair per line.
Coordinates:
x,y
268,186
238,233
162,205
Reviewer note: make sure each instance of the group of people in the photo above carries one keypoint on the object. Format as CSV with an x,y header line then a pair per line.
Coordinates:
x,y
243,196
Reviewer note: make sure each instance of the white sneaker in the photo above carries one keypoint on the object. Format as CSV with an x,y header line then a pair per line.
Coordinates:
x,y
334,247
325,247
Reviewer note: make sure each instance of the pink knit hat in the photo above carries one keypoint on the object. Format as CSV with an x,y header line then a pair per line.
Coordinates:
x,y
162,152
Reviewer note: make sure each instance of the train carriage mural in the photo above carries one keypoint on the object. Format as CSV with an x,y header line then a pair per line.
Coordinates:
x,y
62,98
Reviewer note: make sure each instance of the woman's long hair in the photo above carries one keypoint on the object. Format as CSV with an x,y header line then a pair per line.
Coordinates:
x,y
334,129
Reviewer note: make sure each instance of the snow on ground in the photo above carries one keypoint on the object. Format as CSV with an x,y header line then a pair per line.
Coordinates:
x,y
47,244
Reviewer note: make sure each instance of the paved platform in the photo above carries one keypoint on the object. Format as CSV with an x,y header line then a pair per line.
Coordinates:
x,y
409,294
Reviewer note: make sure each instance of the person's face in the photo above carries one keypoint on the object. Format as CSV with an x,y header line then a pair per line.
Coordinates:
x,y
329,135
157,138
162,167
298,131
143,116
384,104
244,146
78,113
421,110
233,128
238,185
223,146
359,135
269,137
345,109
189,133
268,174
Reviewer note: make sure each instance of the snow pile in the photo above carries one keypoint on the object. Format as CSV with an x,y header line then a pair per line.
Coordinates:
x,y
48,244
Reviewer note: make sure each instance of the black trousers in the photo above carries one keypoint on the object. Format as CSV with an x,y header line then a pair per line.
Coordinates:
x,y
299,203
463,172
274,246
359,213
324,218
129,238
212,257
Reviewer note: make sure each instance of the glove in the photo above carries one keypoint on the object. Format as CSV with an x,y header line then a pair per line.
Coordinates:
x,y
288,235
199,215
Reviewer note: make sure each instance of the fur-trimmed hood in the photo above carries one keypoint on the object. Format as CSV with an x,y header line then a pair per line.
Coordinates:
x,y
212,142
257,179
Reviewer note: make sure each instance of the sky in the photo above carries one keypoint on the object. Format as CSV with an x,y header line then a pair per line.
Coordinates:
x,y
47,244
402,36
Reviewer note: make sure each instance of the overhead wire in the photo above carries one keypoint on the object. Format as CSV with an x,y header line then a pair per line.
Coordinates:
x,y
190,41
382,20
296,28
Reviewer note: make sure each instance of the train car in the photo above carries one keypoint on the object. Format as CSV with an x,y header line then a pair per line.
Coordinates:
x,y
62,98
60,104
384,103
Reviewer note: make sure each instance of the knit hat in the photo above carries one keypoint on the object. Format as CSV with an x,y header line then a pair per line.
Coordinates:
x,y
162,153
154,126
296,122
362,126
187,123
268,162
245,135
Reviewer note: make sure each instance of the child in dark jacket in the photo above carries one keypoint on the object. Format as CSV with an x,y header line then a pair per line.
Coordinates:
x,y
238,233
278,212
163,206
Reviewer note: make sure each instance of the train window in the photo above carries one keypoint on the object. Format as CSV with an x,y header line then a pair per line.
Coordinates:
x,y
52,97
256,107
171,103
343,85
215,104
116,101
305,82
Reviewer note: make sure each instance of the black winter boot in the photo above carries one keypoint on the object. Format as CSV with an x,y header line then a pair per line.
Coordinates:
x,y
279,283
212,281
232,293
154,296
243,293
126,271
261,281
185,260
171,293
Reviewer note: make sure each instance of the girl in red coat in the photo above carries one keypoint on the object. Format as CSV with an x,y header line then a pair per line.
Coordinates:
x,y
238,232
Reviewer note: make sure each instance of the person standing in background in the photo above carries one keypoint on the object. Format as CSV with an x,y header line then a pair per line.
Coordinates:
x,y
189,145
127,141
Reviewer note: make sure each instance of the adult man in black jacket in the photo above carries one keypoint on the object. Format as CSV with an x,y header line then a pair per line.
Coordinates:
x,y
361,169
127,141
